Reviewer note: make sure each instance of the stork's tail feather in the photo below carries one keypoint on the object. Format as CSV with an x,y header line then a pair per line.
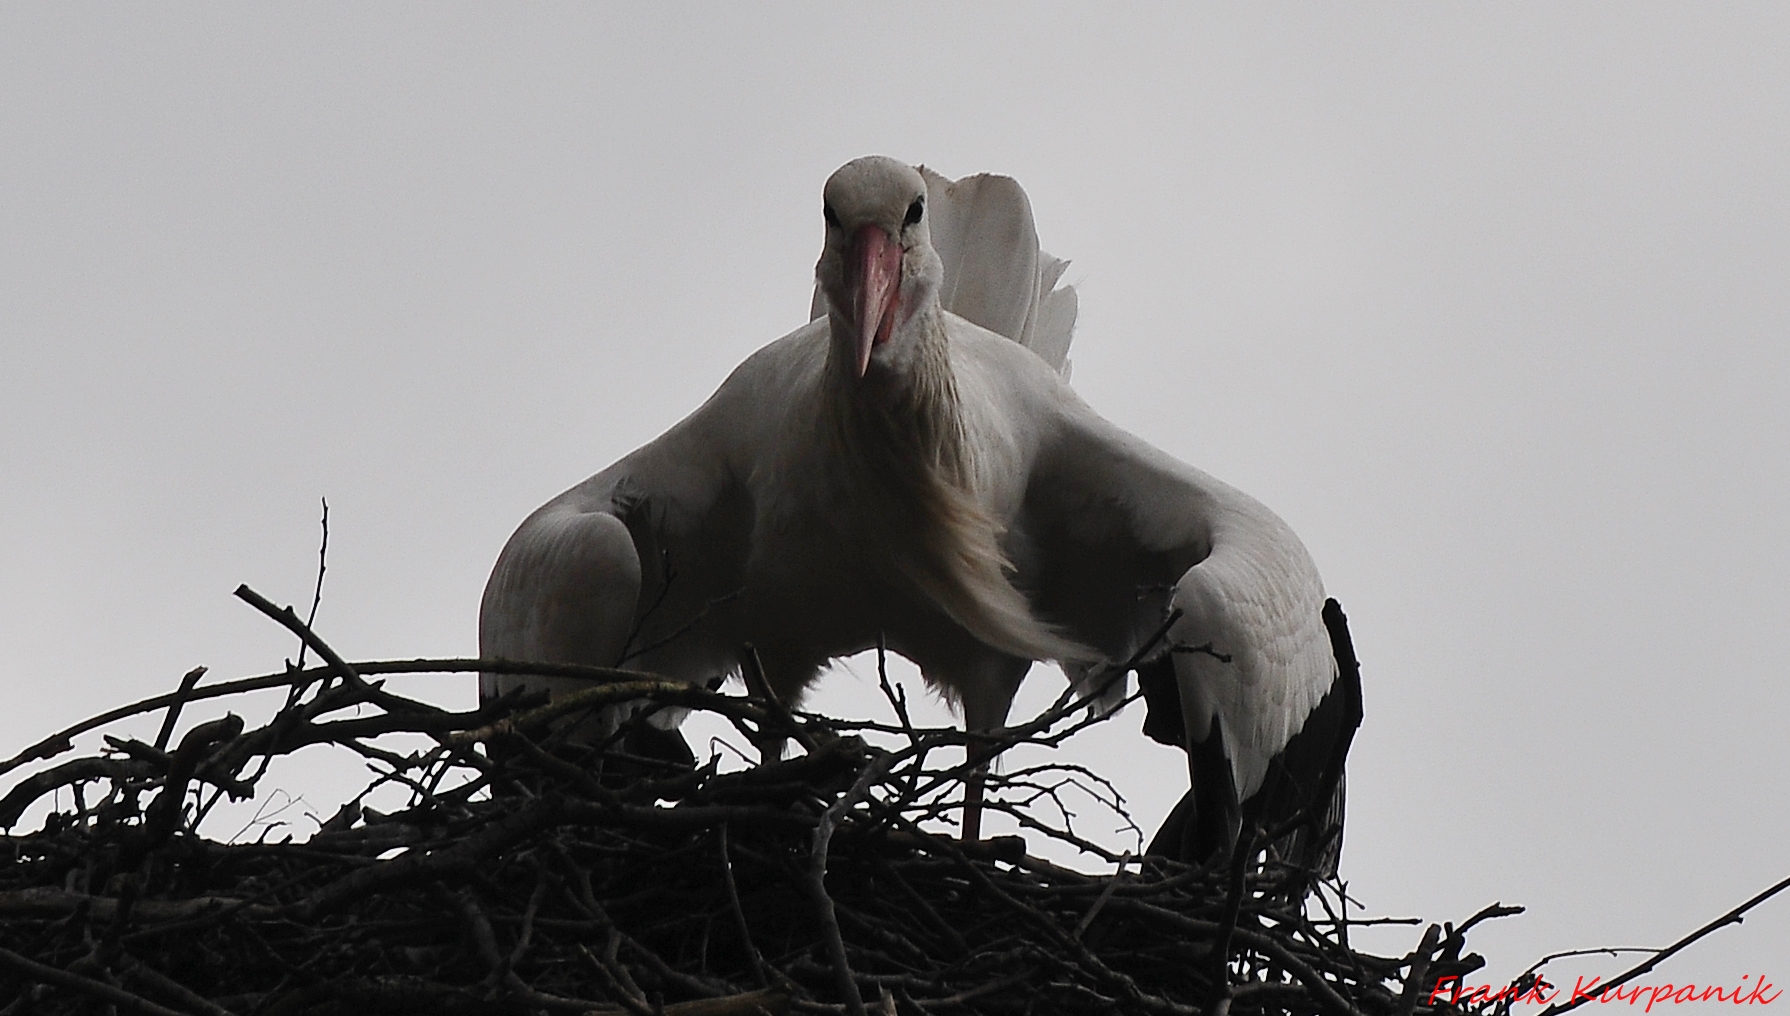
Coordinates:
x,y
995,273
1052,328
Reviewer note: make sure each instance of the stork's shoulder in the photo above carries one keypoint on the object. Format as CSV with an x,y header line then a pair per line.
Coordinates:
x,y
756,398
995,371
1097,479
720,441
780,378
792,362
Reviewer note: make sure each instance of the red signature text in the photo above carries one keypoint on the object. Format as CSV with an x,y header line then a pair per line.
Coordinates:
x,y
1760,992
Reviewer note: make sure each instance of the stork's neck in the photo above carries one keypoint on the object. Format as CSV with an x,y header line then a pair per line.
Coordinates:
x,y
906,493
902,418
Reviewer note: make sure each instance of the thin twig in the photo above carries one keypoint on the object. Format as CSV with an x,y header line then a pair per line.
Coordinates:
x,y
289,620
317,594
1731,917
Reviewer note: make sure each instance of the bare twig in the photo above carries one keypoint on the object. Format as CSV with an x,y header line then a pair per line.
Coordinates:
x,y
1105,894
288,619
317,594
180,697
1420,968
1731,917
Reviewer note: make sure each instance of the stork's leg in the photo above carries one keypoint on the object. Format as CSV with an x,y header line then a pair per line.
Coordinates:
x,y
973,789
1208,818
987,696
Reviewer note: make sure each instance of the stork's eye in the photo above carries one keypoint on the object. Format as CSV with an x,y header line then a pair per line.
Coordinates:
x,y
827,213
914,211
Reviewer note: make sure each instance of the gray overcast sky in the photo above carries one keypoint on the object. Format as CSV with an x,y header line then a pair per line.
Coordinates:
x,y
1489,301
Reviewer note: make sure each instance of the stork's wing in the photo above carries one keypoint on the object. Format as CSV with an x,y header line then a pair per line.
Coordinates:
x,y
1120,532
564,590
995,273
617,570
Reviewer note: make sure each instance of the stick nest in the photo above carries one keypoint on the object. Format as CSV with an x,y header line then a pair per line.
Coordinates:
x,y
529,874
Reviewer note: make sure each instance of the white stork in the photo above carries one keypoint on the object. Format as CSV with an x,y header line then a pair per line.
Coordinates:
x,y
912,464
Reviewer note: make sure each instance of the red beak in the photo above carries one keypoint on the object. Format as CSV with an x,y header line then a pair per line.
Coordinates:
x,y
874,281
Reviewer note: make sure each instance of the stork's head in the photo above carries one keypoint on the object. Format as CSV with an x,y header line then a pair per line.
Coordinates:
x,y
878,269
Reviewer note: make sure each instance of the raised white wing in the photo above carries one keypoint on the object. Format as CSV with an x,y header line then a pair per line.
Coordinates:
x,y
1127,531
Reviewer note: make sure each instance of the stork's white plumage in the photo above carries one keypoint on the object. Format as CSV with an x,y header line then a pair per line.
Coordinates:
x,y
912,464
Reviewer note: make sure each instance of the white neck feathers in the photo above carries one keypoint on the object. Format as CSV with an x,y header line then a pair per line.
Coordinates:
x,y
901,445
